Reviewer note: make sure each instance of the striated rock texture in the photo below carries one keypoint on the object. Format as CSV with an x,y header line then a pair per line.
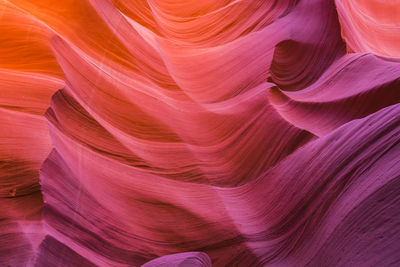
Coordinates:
x,y
199,133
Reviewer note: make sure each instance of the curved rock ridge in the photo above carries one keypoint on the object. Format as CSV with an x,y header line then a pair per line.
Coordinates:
x,y
371,25
199,133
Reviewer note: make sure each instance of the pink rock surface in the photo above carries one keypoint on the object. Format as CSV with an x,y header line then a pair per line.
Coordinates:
x,y
371,25
199,133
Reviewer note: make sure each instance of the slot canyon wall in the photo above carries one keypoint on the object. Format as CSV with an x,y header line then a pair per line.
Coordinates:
x,y
199,133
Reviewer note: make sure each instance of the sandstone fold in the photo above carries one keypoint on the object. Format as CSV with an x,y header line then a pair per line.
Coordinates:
x,y
199,133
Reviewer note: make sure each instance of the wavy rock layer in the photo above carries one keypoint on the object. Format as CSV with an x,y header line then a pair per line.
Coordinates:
x,y
199,133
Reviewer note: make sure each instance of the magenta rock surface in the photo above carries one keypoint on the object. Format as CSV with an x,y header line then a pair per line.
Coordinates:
x,y
199,133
